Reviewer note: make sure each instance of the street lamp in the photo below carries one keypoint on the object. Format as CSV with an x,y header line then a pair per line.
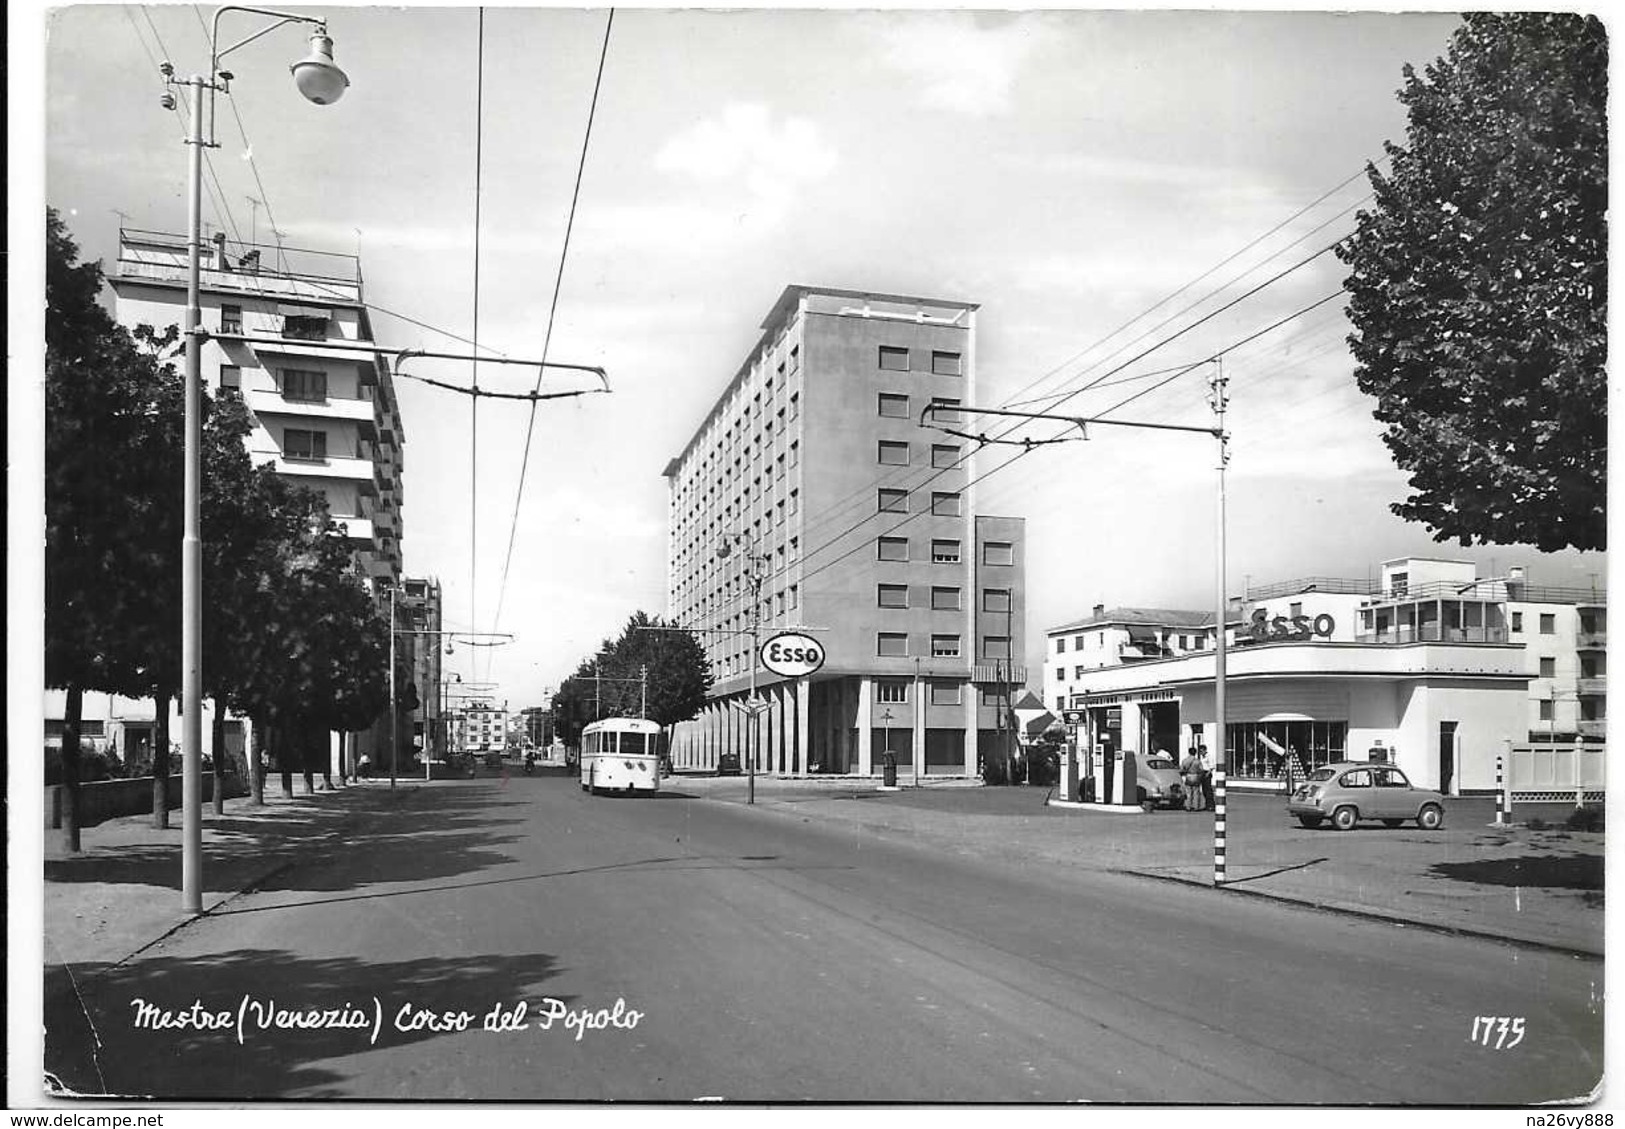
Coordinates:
x,y
757,573
321,81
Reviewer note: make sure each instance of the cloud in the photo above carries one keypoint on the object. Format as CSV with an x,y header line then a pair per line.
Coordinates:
x,y
961,64
745,145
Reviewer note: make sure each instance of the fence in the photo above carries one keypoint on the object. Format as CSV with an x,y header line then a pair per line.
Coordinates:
x,y
1548,773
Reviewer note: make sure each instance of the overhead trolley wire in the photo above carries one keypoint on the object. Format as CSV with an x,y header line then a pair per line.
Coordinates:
x,y
552,309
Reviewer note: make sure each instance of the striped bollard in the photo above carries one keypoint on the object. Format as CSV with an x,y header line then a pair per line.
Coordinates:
x,y
1503,802
1218,826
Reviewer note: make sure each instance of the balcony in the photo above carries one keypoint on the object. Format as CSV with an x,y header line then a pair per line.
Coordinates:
x,y
1595,687
356,528
1433,633
1593,729
1591,641
359,412
999,672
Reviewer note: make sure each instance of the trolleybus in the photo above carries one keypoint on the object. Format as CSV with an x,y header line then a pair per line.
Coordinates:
x,y
620,754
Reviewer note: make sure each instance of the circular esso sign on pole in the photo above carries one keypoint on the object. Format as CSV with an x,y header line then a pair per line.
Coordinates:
x,y
792,654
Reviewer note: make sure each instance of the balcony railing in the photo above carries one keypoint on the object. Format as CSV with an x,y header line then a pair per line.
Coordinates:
x,y
1593,687
1591,640
1434,633
1593,729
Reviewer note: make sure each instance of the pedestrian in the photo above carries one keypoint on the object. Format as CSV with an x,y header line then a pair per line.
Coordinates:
x,y
364,767
1190,774
1204,764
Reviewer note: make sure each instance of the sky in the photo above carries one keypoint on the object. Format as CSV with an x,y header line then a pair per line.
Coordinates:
x,y
1098,181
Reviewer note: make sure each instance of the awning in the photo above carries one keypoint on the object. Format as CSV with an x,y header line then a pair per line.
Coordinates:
x,y
1142,634
316,312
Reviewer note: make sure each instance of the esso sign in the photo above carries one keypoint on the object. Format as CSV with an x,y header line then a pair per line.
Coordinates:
x,y
792,654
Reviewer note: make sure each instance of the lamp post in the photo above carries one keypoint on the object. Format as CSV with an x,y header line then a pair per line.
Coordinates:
x,y
321,81
754,577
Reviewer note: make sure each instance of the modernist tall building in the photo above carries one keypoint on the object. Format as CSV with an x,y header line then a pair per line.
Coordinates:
x,y
326,417
812,490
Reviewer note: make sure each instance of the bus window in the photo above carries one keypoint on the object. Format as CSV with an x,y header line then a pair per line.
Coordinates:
x,y
632,744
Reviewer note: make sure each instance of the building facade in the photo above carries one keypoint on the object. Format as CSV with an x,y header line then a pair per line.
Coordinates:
x,y
1429,665
324,417
812,497
482,727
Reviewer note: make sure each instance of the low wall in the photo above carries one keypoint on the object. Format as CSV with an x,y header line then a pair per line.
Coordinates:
x,y
109,799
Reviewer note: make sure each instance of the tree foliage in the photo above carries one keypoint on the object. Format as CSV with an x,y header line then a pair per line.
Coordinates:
x,y
612,685
1478,285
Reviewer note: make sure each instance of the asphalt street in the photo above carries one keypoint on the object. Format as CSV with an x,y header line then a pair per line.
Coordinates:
x,y
670,948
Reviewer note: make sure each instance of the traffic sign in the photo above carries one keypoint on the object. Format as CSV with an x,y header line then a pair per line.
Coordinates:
x,y
1072,717
792,654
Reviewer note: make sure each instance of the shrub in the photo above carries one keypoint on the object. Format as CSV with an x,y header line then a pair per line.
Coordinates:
x,y
1585,819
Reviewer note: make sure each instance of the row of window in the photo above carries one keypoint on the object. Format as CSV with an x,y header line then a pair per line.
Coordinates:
x,y
895,405
944,598
898,358
1184,642
894,692
944,503
304,327
1548,622
895,644
945,550
898,452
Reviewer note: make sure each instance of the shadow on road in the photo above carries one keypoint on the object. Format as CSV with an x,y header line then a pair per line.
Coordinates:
x,y
461,825
1573,872
93,1044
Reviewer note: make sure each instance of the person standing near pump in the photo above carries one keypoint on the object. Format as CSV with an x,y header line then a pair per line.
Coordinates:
x,y
1190,774
1204,765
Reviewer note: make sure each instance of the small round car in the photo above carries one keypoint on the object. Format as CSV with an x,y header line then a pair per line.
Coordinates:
x,y
1350,792
728,765
1158,783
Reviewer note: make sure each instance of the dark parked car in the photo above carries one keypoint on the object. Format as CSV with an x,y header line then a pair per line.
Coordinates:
x,y
1348,792
728,764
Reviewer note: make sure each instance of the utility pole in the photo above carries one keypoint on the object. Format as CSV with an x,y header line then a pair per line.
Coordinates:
x,y
643,678
1218,401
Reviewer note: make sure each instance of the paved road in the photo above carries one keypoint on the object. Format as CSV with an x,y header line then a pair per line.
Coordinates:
x,y
773,957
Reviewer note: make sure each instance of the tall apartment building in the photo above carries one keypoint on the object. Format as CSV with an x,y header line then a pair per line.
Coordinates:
x,y
327,418
843,516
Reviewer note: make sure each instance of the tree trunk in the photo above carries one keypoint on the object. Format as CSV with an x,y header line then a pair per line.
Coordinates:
x,y
160,762
70,767
222,763
256,771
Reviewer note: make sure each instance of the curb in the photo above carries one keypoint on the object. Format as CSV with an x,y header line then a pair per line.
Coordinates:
x,y
1369,915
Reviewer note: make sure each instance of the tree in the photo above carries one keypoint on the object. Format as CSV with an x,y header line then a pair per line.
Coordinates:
x,y
614,684
1478,285
105,399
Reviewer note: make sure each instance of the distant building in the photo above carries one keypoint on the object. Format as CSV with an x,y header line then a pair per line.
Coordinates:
x,y
482,728
866,529
1430,664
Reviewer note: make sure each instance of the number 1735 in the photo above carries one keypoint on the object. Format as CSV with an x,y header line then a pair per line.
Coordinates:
x,y
1500,1032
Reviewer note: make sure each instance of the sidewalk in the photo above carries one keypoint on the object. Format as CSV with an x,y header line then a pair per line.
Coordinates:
x,y
1542,888
122,892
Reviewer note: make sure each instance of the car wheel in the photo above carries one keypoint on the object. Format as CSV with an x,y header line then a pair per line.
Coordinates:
x,y
1392,822
1309,821
1344,818
1430,818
